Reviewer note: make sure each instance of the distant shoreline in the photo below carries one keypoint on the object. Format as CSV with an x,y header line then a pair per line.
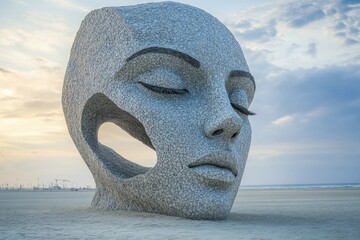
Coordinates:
x,y
242,187
302,186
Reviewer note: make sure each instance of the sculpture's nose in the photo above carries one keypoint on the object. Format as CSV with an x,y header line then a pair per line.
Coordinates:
x,y
225,123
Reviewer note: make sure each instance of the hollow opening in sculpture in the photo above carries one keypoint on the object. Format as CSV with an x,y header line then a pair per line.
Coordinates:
x,y
124,144
98,110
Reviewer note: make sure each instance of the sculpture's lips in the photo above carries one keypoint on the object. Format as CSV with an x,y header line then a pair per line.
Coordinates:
x,y
216,166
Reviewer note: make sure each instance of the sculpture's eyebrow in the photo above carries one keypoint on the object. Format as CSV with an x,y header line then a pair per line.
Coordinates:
x,y
192,61
240,73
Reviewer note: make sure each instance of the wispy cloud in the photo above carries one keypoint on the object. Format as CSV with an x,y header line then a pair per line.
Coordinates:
x,y
283,120
309,148
69,4
47,40
350,41
2,70
41,34
312,50
301,13
260,33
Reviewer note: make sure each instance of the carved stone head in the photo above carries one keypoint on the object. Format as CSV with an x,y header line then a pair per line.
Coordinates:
x,y
174,78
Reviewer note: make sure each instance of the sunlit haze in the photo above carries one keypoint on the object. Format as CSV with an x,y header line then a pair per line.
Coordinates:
x,y
304,55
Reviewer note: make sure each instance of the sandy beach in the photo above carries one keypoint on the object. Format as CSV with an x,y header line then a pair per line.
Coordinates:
x,y
256,214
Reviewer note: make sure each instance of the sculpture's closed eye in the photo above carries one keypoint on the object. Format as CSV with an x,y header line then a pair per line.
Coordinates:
x,y
242,109
163,90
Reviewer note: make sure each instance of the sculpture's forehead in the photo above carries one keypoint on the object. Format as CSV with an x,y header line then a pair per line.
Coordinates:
x,y
184,28
109,36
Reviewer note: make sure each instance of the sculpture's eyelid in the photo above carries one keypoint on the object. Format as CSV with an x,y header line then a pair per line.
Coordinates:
x,y
242,109
163,90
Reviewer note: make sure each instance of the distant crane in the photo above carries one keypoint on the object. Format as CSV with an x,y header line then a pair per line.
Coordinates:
x,y
61,180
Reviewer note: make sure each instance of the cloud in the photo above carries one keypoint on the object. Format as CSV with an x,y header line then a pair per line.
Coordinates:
x,y
2,70
36,40
44,20
327,147
283,120
346,21
261,34
245,24
9,38
350,41
41,105
340,34
70,5
333,85
313,114
339,26
318,102
297,118
28,94
350,2
302,13
312,50
354,31
313,106
348,5
311,26
39,33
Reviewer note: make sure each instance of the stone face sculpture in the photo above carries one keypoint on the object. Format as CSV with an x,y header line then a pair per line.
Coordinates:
x,y
175,78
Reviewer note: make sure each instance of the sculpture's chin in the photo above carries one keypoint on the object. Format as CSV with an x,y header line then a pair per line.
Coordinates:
x,y
145,193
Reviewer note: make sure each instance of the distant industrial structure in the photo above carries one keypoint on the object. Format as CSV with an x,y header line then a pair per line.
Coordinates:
x,y
57,185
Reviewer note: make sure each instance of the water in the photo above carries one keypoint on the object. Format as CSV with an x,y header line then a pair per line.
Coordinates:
x,y
288,213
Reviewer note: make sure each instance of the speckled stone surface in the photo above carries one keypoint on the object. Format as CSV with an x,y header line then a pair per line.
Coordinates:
x,y
170,75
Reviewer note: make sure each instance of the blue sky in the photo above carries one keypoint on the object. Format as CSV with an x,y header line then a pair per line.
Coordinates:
x,y
305,56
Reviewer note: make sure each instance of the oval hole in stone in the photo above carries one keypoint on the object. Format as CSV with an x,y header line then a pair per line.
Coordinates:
x,y
125,145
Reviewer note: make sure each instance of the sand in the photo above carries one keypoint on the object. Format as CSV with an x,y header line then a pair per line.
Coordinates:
x,y
256,214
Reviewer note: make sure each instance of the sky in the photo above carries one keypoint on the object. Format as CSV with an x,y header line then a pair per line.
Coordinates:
x,y
304,55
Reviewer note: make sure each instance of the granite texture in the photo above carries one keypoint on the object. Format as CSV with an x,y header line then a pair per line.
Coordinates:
x,y
174,78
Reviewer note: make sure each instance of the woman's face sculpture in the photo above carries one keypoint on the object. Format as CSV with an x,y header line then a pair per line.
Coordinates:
x,y
175,78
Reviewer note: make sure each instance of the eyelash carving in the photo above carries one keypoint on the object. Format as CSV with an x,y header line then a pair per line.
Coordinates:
x,y
242,109
163,90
